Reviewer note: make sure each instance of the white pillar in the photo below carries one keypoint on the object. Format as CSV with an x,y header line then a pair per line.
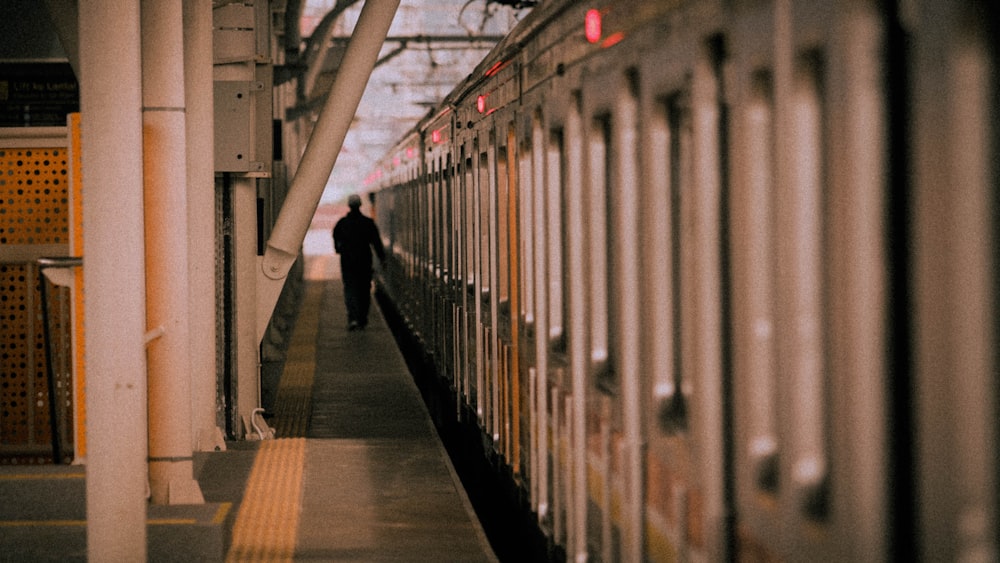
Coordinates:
x,y
317,162
171,470
110,103
244,230
201,221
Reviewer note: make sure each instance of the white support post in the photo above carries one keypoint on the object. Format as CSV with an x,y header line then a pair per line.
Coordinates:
x,y
110,103
319,158
198,88
244,233
171,468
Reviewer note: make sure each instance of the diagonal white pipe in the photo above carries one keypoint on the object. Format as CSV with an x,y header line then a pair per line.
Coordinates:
x,y
321,154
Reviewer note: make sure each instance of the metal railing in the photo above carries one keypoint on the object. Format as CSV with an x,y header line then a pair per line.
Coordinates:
x,y
61,263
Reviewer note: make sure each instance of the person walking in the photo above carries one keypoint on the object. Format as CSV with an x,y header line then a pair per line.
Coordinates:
x,y
355,236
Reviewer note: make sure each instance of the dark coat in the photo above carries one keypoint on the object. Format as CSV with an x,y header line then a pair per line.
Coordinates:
x,y
354,238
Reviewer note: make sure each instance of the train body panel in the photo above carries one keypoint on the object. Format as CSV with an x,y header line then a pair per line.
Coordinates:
x,y
680,264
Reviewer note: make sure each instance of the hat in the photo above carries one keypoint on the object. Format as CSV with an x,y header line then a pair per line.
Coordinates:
x,y
354,200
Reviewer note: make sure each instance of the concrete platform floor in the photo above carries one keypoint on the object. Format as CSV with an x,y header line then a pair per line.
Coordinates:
x,y
376,482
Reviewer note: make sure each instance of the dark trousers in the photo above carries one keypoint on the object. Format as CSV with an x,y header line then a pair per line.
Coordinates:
x,y
357,297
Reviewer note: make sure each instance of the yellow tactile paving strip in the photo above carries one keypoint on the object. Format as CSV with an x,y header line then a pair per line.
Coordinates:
x,y
266,527
293,402
268,520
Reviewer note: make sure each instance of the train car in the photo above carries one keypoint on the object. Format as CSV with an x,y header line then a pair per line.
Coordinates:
x,y
715,280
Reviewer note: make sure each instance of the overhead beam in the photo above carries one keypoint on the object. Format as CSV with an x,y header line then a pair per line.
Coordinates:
x,y
65,15
427,39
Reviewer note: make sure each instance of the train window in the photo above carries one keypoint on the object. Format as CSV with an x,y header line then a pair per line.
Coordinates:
x,y
514,235
658,265
469,218
527,189
517,377
458,233
597,221
758,121
802,295
623,243
481,210
555,241
430,226
485,205
451,258
443,227
624,208
449,203
671,141
437,236
503,228
489,293
465,209
577,297
533,178
425,193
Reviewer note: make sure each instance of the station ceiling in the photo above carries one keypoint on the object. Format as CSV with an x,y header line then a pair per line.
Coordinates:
x,y
432,45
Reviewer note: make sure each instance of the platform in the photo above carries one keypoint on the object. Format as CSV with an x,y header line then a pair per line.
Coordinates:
x,y
356,471
376,482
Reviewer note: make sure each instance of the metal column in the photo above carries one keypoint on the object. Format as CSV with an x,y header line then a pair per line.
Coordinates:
x,y
111,101
198,89
171,471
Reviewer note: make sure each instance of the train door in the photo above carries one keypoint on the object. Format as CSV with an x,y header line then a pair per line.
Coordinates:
x,y
712,412
488,294
512,241
458,277
812,325
437,240
470,217
449,271
480,255
577,338
955,148
528,169
462,280
501,302
425,179
555,401
600,384
685,260
526,415
624,244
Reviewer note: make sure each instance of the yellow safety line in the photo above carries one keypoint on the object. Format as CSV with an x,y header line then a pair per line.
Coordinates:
x,y
222,513
218,518
293,401
40,523
267,523
40,477
171,521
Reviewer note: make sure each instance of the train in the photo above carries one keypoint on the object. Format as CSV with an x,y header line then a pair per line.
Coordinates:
x,y
717,280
